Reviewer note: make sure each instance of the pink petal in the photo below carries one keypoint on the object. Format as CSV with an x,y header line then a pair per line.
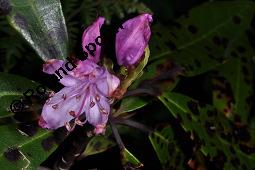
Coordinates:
x,y
52,65
84,68
99,109
133,39
89,36
69,80
65,105
107,83
113,82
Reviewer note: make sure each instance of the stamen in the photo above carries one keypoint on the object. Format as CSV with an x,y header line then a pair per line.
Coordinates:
x,y
72,113
48,101
79,122
51,93
97,98
68,127
55,106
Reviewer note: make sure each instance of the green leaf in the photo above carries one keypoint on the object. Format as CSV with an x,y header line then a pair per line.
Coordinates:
x,y
129,160
42,24
217,136
200,40
20,151
167,149
98,144
12,88
232,82
130,104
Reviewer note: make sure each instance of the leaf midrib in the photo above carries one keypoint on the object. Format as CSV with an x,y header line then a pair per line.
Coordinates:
x,y
200,38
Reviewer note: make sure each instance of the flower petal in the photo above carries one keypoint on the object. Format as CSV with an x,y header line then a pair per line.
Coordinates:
x,y
99,109
65,105
69,80
52,65
133,39
89,36
107,84
84,68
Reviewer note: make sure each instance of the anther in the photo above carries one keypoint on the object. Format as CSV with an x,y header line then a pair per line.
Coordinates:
x,y
79,122
97,98
55,106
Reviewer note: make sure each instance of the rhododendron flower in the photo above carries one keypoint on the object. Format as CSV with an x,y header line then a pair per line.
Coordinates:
x,y
88,87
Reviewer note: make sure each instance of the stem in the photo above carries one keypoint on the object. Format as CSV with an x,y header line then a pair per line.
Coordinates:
x,y
117,135
139,91
134,124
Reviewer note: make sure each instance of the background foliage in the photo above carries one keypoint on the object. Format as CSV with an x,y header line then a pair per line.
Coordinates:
x,y
193,105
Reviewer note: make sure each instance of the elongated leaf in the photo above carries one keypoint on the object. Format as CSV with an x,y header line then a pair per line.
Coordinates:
x,y
130,104
22,150
217,136
12,88
42,24
233,82
98,144
200,40
168,152
129,160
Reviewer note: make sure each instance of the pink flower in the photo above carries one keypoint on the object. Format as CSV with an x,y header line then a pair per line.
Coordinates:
x,y
88,87
132,40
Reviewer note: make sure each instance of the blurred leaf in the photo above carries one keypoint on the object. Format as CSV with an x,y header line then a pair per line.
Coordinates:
x,y
159,76
12,88
228,144
22,151
168,152
110,8
129,160
232,82
200,40
97,145
130,104
42,24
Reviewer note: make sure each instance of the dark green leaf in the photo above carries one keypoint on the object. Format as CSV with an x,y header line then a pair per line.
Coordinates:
x,y
12,88
129,160
98,144
130,104
42,24
168,152
22,151
216,135
233,82
200,40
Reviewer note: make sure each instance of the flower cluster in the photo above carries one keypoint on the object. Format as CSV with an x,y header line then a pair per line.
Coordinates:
x,y
89,87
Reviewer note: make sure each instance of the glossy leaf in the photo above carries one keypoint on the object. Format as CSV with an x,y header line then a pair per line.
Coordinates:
x,y
42,24
129,160
98,144
214,133
130,104
168,152
12,88
24,149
